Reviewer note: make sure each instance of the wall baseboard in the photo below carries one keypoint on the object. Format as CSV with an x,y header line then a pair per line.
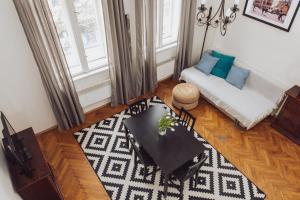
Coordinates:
x,y
96,105
166,78
47,130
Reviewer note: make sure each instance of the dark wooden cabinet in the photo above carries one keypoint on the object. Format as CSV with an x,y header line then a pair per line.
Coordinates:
x,y
288,120
42,184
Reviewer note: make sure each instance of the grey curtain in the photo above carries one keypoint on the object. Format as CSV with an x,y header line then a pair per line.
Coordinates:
x,y
185,37
41,33
143,29
131,48
117,37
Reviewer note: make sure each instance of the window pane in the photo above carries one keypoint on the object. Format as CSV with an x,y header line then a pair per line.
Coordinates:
x,y
90,22
167,20
59,18
170,22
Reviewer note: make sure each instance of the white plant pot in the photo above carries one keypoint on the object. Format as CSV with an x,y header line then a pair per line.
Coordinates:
x,y
162,133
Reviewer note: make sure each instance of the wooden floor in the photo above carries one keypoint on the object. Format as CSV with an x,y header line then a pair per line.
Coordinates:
x,y
266,157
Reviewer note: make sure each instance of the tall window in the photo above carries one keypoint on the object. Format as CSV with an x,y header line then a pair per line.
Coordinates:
x,y
80,27
168,22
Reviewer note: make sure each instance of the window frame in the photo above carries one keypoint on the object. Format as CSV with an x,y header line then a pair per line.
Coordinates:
x,y
72,27
160,19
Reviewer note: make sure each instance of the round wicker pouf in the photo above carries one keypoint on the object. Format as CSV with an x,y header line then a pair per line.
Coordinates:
x,y
185,95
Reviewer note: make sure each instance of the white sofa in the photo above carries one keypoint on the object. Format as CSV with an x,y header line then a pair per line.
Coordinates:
x,y
258,99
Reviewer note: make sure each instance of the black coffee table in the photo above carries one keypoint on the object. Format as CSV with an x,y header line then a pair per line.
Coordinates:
x,y
169,151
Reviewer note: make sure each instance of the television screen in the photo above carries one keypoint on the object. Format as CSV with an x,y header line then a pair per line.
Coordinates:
x,y
13,146
7,131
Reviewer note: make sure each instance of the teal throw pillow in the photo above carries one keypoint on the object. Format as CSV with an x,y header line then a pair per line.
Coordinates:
x,y
223,66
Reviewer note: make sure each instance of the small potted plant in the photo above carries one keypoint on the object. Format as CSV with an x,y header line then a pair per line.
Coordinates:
x,y
166,122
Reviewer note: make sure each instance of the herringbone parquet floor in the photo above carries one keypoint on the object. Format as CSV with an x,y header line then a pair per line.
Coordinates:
x,y
269,159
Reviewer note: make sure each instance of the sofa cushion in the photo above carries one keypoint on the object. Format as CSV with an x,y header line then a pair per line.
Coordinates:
x,y
207,63
247,105
223,66
237,76
266,88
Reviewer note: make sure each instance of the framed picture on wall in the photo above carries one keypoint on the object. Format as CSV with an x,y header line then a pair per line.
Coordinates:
x,y
277,13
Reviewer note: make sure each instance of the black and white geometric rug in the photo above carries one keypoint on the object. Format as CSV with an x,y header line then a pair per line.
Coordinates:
x,y
104,145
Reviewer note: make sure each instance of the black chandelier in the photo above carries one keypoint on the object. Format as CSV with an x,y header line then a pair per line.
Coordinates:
x,y
220,18
223,19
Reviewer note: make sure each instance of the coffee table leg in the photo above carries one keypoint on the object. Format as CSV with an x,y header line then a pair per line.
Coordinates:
x,y
166,185
126,130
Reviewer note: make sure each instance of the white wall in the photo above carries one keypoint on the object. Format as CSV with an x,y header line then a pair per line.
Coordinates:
x,y
273,52
22,96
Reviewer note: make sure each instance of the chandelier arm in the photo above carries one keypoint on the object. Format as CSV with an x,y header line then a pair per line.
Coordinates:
x,y
200,16
201,24
216,13
223,20
211,18
222,13
215,24
232,17
223,28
